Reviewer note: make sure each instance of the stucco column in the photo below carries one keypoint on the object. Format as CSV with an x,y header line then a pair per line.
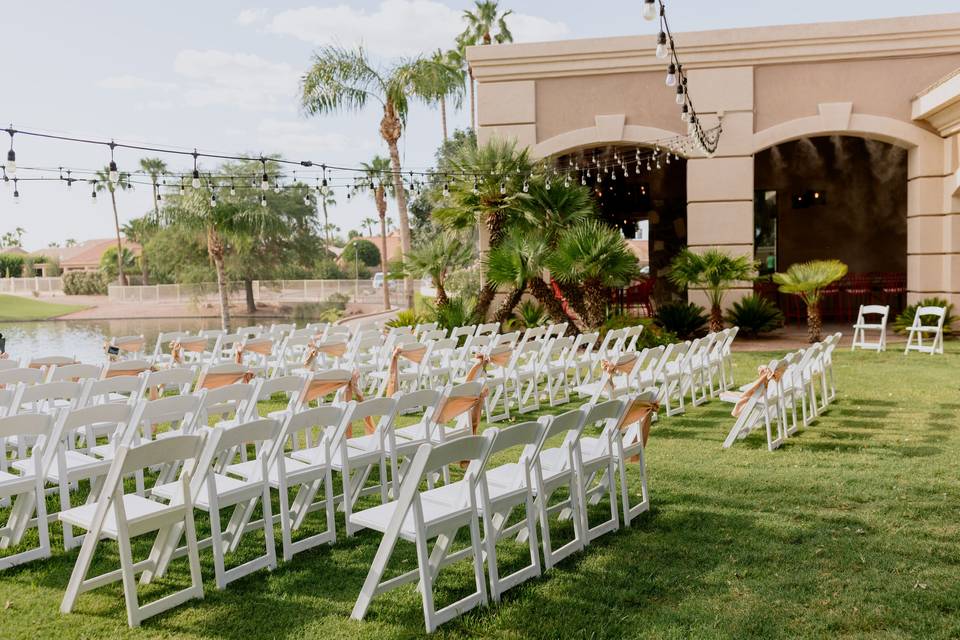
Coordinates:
x,y
720,189
933,222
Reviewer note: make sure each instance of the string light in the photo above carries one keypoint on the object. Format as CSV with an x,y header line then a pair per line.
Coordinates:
x,y
11,165
213,198
649,9
263,199
195,182
93,193
671,75
233,187
113,174
16,193
662,45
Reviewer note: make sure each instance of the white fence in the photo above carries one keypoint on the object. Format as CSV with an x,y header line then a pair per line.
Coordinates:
x,y
26,285
277,291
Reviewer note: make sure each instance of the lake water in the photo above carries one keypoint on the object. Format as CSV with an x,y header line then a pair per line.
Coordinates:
x,y
83,339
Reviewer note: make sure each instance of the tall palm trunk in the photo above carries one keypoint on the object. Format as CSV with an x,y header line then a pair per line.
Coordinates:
x,y
595,295
505,310
390,129
382,211
443,116
215,249
473,101
326,225
814,323
442,299
716,318
121,278
248,292
574,297
539,289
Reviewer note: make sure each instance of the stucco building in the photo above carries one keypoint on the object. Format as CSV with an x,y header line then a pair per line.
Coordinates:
x,y
839,140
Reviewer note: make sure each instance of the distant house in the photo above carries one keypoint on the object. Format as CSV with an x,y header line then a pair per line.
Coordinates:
x,y
84,256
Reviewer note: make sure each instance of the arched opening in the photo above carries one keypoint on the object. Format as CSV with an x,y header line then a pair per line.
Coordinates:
x,y
839,197
643,192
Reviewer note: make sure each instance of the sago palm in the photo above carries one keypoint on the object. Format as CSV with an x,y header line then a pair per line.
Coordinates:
x,y
345,80
597,257
103,183
808,280
714,271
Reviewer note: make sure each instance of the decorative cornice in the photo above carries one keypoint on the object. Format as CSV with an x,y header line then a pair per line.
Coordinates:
x,y
832,41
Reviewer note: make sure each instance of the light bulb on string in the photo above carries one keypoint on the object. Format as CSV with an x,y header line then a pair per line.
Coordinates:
x,y
264,179
503,188
306,200
213,199
93,194
16,193
649,9
476,188
113,174
195,181
546,185
526,186
671,75
263,199
446,189
662,46
11,165
159,197
69,181
276,185
182,190
233,187
583,181
679,94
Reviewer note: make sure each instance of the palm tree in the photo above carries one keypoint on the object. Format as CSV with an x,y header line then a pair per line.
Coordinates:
x,y
70,242
808,280
481,23
597,257
715,272
438,79
436,258
342,79
139,230
367,224
376,172
518,261
153,167
327,199
231,218
491,199
103,183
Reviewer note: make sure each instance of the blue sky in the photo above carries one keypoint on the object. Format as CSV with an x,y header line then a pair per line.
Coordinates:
x,y
221,76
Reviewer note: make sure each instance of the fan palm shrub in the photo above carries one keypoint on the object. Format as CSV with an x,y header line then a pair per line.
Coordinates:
x,y
712,271
905,318
457,312
531,314
808,280
597,257
436,258
755,315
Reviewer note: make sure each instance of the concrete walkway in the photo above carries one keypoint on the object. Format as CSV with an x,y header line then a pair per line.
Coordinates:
x,y
793,337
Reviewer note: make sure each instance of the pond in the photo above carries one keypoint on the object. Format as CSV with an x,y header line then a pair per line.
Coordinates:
x,y
83,339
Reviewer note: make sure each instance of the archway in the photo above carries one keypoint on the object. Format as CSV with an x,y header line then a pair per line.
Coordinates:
x,y
836,196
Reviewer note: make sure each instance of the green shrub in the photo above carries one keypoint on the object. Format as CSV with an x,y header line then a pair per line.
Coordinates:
x,y
338,300
317,312
458,312
903,321
755,315
406,318
531,314
11,265
363,251
84,283
652,336
685,319
327,269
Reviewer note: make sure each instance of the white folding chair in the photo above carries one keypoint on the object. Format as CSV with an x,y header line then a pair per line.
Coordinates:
x,y
121,516
594,465
25,488
919,329
415,517
759,405
877,322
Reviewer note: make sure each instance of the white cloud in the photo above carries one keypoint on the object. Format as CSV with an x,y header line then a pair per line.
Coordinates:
x,y
133,83
397,27
241,80
311,139
251,16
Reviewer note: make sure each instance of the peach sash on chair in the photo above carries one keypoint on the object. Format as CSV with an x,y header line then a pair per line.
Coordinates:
x,y
130,346
639,411
223,379
413,353
456,406
177,348
765,375
499,357
335,349
263,347
624,366
349,383
116,372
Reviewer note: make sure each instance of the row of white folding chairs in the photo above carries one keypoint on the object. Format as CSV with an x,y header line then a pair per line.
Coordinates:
x,y
800,380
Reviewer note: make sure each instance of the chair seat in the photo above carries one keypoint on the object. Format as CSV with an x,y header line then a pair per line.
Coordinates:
x,y
225,486
435,512
137,508
868,326
77,463
417,432
553,463
592,450
248,469
12,484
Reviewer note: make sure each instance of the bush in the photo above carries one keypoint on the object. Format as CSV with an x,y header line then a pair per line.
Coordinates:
x,y
685,319
108,263
456,313
338,300
903,321
84,283
365,250
755,315
327,269
329,311
531,314
652,336
406,318
11,265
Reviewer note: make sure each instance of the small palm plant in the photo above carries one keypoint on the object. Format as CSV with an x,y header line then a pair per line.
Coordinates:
x,y
436,258
597,257
530,314
808,280
713,271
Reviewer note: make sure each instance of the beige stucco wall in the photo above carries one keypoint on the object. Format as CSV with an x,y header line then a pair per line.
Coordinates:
x,y
768,85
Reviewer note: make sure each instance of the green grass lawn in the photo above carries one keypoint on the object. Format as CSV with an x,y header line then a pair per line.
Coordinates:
x,y
17,308
850,530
